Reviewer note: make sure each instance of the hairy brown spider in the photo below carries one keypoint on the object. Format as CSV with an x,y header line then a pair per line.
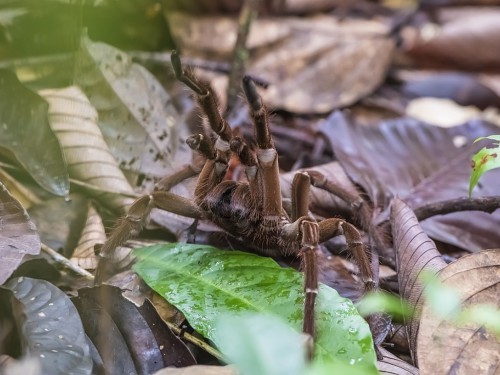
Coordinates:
x,y
250,210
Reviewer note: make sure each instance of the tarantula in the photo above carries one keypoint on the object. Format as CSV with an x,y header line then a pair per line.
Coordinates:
x,y
250,210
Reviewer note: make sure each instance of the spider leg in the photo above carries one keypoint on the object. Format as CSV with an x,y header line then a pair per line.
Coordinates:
x,y
132,223
332,227
306,230
362,211
266,154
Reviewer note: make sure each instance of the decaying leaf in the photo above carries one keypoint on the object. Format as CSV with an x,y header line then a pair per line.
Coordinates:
x,y
74,121
423,164
53,330
93,234
415,253
18,235
138,121
444,347
27,134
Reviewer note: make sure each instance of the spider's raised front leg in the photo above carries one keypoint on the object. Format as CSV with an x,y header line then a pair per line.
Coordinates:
x,y
268,168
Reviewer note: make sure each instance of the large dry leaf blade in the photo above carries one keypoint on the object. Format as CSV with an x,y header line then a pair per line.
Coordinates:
x,y
423,164
18,235
469,349
74,121
136,115
27,134
415,253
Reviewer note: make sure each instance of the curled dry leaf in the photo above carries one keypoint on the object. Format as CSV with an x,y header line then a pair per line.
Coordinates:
x,y
93,233
470,349
464,43
392,365
415,253
18,235
74,121
27,134
137,118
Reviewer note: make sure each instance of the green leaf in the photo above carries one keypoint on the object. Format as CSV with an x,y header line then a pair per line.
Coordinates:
x,y
260,344
203,282
486,159
27,134
384,302
444,301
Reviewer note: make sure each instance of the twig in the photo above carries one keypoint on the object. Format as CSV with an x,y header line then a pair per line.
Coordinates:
x,y
65,262
196,341
248,13
486,204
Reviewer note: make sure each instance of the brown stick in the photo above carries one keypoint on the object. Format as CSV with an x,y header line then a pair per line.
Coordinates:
x,y
486,204
240,53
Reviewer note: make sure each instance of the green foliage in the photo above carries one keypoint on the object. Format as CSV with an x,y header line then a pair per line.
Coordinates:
x,y
384,302
484,160
204,282
261,344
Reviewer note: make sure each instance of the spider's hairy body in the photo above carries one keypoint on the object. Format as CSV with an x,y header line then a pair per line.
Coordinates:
x,y
227,206
250,210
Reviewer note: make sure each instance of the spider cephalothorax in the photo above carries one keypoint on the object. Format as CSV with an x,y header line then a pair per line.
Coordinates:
x,y
250,210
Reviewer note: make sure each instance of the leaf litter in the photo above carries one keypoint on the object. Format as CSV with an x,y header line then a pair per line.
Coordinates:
x,y
312,65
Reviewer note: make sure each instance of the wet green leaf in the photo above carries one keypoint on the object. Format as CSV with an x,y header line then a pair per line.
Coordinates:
x,y
260,344
204,282
27,134
486,159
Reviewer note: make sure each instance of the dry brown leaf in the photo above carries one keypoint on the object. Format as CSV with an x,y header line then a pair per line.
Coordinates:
x,y
18,235
139,123
215,36
415,253
444,348
74,121
93,233
324,65
467,42
313,65
392,365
